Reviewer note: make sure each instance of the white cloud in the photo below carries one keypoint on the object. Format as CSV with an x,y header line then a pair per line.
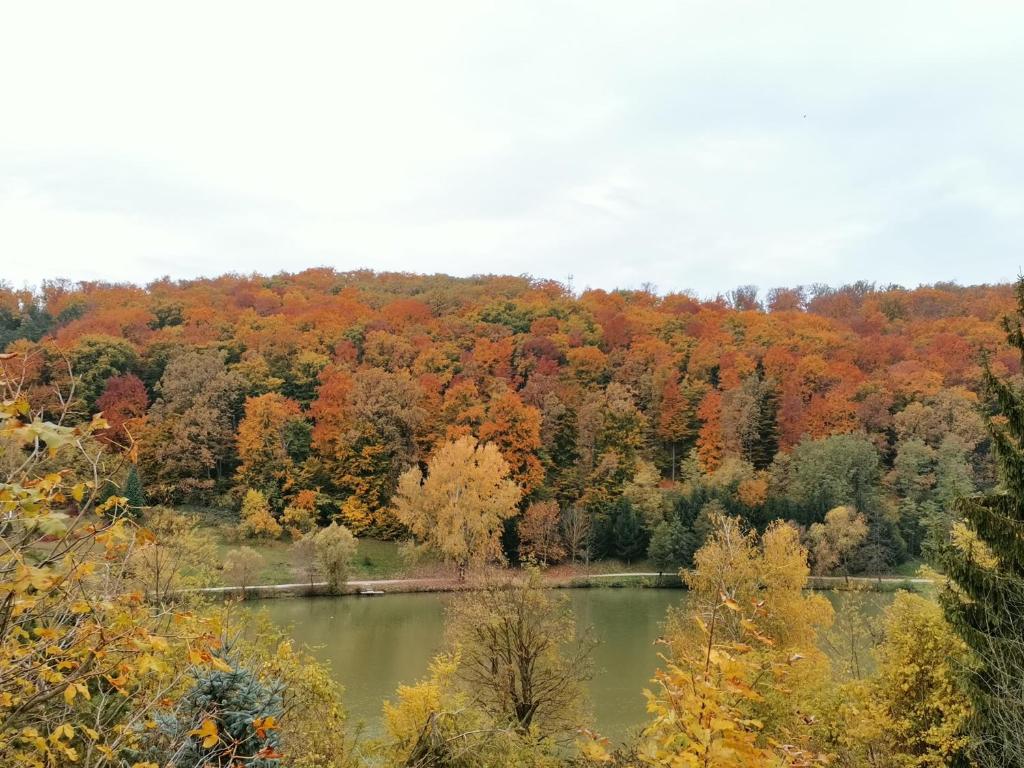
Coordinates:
x,y
688,144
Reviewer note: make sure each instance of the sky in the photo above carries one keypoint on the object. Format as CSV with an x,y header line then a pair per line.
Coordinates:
x,y
681,145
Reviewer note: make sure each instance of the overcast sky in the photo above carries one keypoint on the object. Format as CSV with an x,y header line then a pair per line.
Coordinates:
x,y
694,145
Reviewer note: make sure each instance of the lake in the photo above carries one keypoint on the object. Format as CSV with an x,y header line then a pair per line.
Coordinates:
x,y
374,643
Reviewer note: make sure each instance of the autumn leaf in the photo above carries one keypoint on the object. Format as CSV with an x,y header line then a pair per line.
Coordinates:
x,y
207,732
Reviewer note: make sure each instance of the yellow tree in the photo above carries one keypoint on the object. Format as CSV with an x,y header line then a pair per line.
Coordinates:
x,y
540,534
459,508
701,711
256,517
760,581
84,661
263,443
914,712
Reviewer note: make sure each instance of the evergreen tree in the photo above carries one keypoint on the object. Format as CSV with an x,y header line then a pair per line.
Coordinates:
x,y
629,536
672,546
228,718
985,600
766,442
134,492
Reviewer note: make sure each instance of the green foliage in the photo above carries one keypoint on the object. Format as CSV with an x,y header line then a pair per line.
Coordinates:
x,y
628,534
985,564
134,492
672,546
335,549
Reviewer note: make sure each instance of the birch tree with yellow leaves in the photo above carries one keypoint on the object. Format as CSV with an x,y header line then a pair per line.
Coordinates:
x,y
459,508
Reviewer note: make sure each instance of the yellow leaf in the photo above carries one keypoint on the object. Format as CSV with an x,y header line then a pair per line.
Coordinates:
x,y
69,694
720,724
207,732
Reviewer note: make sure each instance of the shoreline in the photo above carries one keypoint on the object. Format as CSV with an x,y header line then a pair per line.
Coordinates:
x,y
647,580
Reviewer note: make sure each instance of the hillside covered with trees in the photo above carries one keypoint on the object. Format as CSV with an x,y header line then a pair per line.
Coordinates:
x,y
625,420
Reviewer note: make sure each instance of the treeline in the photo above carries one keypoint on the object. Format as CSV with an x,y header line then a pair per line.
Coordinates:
x,y
630,417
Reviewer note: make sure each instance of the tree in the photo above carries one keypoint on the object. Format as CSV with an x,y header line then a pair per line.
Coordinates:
x,y
175,555
834,541
335,548
917,696
727,698
242,566
228,718
266,464
539,534
629,539
645,496
134,493
749,568
256,518
187,441
576,531
985,599
749,420
82,658
436,722
458,509
515,429
659,549
98,358
123,403
303,552
672,546
677,419
520,654
300,514
366,432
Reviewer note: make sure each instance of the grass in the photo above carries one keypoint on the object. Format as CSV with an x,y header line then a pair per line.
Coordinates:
x,y
908,568
374,559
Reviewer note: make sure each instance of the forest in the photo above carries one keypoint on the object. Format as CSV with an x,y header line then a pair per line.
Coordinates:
x,y
504,425
627,416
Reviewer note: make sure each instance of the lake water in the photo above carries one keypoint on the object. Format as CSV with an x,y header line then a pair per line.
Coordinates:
x,y
374,643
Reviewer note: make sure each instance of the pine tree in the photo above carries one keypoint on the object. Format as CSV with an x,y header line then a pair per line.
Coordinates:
x,y
766,442
985,601
629,536
134,492
228,719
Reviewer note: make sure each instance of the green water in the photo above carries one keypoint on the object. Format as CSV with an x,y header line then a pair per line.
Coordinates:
x,y
374,643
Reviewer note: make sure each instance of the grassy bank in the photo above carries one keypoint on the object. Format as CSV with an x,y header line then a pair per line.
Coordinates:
x,y
379,561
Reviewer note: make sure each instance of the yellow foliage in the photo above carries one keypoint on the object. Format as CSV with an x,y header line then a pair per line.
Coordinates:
x,y
73,623
459,508
256,517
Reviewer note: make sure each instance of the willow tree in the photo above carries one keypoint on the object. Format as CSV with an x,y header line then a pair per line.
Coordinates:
x,y
984,559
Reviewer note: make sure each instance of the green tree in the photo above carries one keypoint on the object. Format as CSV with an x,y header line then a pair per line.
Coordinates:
x,y
335,548
985,599
672,546
134,492
629,539
95,359
227,719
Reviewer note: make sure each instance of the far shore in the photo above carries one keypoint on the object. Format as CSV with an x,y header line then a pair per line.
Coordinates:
x,y
648,580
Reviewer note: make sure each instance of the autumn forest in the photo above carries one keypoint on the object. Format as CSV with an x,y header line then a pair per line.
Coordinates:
x,y
167,438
